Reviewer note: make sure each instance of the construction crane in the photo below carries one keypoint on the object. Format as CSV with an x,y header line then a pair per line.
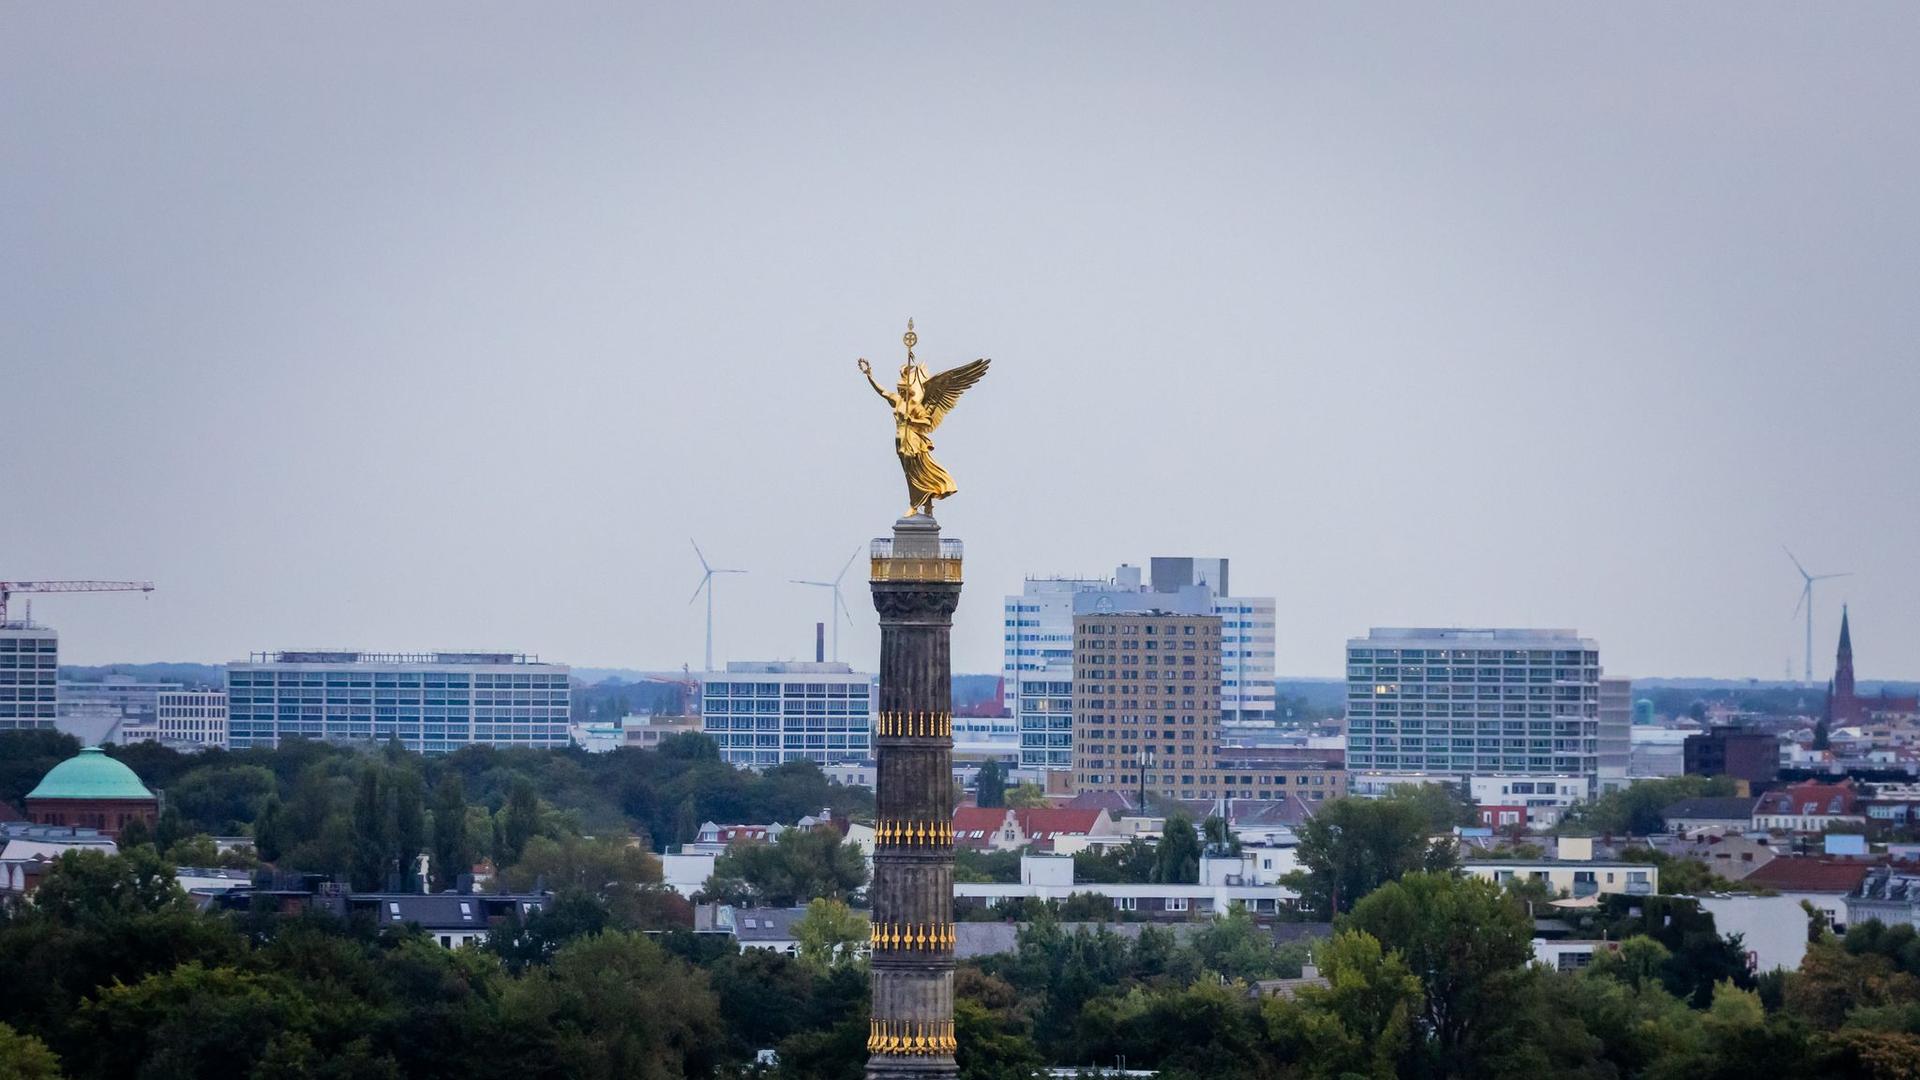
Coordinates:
x,y
8,588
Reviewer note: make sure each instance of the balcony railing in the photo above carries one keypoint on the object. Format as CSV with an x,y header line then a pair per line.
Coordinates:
x,y
913,560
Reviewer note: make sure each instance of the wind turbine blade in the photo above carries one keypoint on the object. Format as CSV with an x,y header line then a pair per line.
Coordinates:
x,y
729,571
1796,562
819,584
1805,590
700,555
842,605
1823,577
696,589
848,566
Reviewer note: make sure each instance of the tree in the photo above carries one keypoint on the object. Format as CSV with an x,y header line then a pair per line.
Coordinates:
x,y
1027,796
829,934
686,822
88,887
614,1005
1468,944
169,829
520,820
134,833
1221,841
370,838
1353,846
407,803
802,865
990,787
1177,858
24,1057
1443,806
1361,1023
1822,739
452,856
1638,809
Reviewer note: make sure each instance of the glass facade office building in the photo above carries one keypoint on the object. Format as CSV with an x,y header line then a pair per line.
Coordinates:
x,y
29,676
762,714
1468,702
432,702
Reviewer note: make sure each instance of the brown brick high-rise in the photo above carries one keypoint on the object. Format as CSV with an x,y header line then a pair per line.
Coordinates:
x,y
916,586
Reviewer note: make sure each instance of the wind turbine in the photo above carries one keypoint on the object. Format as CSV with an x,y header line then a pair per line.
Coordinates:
x,y
706,584
838,608
1806,601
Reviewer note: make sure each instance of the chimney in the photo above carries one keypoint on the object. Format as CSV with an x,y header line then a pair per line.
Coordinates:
x,y
819,642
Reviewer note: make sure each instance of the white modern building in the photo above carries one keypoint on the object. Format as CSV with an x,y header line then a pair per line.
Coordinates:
x,y
762,713
431,702
1614,736
1464,703
190,718
29,675
1038,645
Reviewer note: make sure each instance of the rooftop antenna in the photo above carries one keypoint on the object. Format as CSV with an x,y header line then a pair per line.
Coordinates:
x,y
706,584
837,607
1806,601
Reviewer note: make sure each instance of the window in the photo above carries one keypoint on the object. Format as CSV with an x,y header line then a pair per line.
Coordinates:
x,y
1125,903
1176,903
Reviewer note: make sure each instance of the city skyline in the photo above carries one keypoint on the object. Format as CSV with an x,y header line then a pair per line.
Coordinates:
x,y
1417,351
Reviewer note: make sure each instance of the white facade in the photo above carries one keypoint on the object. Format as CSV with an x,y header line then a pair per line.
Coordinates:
x,y
1038,645
29,676
1772,929
1473,702
765,713
431,702
1614,735
191,717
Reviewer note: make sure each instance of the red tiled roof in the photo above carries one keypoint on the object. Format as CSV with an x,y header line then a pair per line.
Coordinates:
x,y
1811,798
1039,825
1797,874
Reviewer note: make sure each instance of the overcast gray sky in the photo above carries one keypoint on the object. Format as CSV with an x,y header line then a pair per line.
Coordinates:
x,y
446,326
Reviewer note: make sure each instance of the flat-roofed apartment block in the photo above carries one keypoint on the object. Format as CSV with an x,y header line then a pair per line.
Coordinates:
x,y
29,675
1146,693
431,702
1451,704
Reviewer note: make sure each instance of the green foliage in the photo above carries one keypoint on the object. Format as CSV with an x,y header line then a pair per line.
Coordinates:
x,y
87,887
990,786
615,1005
1177,857
829,935
801,866
1443,806
1027,797
1131,863
1636,810
1354,846
978,866
24,1057
1468,944
26,756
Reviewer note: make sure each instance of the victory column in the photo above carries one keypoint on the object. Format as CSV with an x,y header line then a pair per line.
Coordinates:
x,y
916,586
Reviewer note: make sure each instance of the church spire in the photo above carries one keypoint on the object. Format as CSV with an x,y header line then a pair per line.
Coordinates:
x,y
1844,709
1846,637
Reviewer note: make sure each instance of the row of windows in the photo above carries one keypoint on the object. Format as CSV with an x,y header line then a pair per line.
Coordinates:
x,y
1480,656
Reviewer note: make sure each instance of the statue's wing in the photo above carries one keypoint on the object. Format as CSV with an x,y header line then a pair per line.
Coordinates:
x,y
943,391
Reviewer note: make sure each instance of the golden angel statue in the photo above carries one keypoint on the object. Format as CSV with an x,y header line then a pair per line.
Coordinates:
x,y
920,401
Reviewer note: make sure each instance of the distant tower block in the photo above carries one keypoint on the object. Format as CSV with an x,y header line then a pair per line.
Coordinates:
x,y
916,586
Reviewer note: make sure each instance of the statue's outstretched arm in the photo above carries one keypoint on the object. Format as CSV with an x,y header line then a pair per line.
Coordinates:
x,y
867,370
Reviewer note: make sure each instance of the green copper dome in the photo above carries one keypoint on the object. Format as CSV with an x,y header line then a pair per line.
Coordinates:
x,y
90,774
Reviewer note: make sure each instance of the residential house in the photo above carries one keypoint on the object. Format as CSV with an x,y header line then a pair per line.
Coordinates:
x,y
997,828
1823,883
1732,813
1809,807
1890,894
